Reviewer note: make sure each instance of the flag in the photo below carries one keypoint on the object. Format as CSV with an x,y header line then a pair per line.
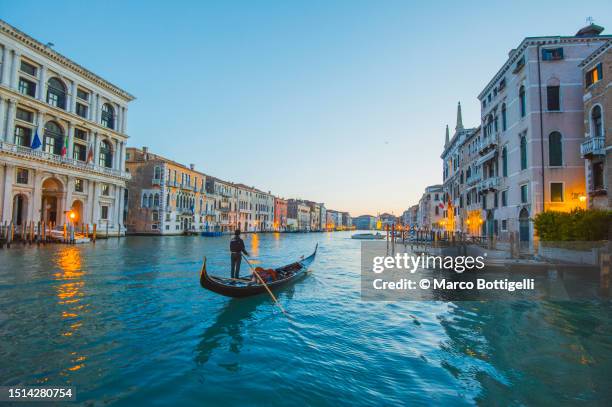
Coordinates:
x,y
35,141
65,147
441,205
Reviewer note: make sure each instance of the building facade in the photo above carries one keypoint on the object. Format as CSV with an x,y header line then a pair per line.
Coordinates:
x,y
280,214
430,213
165,197
365,222
62,138
532,124
596,149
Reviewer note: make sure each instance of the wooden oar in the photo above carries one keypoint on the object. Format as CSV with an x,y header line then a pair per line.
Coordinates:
x,y
265,285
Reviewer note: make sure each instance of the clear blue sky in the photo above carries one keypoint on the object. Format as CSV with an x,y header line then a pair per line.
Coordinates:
x,y
342,102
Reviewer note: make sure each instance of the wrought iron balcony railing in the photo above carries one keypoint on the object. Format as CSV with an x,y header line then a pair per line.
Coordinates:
x,y
592,146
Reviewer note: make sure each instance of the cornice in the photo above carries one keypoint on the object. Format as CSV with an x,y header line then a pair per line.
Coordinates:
x,y
37,46
595,54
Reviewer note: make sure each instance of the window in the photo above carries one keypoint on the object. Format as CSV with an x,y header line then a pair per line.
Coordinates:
x,y
504,120
54,136
556,192
520,63
552,98
81,110
56,93
596,123
593,76
28,68
524,193
552,54
79,152
80,134
523,152
25,115
495,200
108,116
144,200
27,87
504,198
522,101
104,212
106,155
155,216
156,200
23,136
555,150
81,94
78,185
157,173
505,161
504,226
22,176
437,210
502,84
105,189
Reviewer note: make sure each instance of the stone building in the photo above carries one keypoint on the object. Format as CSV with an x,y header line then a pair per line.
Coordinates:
x,y
280,214
431,204
596,149
62,138
166,197
532,124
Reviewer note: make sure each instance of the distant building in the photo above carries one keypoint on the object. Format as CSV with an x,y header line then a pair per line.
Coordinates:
x,y
323,216
596,149
347,221
388,219
365,222
165,197
430,212
300,211
280,214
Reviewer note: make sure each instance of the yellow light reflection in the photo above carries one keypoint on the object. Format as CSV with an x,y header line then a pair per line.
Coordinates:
x,y
254,245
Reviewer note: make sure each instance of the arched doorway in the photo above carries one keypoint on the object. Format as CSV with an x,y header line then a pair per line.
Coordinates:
x,y
52,191
524,225
490,224
20,208
77,209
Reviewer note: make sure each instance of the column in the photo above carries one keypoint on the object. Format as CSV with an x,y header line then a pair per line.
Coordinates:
x,y
10,121
92,107
123,143
98,109
5,66
7,204
41,126
70,140
14,68
124,121
95,218
68,195
115,218
36,196
116,155
96,158
121,206
72,100
42,84
87,206
3,134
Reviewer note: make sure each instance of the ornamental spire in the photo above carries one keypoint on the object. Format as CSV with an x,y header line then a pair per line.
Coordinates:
x,y
459,118
447,140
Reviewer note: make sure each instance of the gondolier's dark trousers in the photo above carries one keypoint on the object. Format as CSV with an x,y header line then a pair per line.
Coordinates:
x,y
236,259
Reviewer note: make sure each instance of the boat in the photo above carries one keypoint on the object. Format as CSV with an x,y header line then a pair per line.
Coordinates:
x,y
246,287
212,233
367,236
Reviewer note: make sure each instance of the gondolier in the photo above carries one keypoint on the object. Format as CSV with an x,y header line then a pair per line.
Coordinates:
x,y
236,250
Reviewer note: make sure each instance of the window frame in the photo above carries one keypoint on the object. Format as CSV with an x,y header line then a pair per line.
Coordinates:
x,y
562,191
558,163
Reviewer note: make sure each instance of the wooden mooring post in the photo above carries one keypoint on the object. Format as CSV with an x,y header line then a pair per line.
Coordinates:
x,y
95,229
604,274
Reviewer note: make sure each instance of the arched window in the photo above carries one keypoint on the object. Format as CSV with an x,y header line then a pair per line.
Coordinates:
x,y
555,150
144,200
503,113
108,116
596,122
56,93
156,200
505,161
157,173
167,199
106,154
150,201
53,138
522,101
523,152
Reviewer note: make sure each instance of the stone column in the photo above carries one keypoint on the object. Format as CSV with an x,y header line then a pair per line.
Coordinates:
x,y
124,121
70,140
95,218
123,150
16,61
68,194
5,66
7,204
116,155
3,134
41,126
10,121
36,196
42,84
121,205
92,107
72,100
96,158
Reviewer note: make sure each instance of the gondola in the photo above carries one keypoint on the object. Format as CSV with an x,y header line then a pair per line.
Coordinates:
x,y
245,287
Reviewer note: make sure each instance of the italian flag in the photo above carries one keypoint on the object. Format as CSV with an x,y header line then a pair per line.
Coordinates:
x,y
65,147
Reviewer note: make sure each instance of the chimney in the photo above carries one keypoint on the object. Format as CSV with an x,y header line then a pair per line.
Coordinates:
x,y
192,167
145,153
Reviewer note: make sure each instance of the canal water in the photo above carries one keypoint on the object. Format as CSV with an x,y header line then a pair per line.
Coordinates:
x,y
126,323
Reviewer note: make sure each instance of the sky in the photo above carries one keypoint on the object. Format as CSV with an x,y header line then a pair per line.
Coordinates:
x,y
341,102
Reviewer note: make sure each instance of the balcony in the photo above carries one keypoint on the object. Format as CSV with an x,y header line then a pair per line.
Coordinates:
x,y
489,184
593,146
52,159
474,179
155,181
486,144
